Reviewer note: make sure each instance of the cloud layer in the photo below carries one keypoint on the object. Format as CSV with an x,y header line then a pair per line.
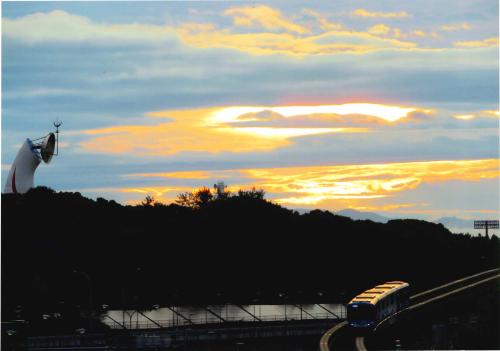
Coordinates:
x,y
222,91
270,32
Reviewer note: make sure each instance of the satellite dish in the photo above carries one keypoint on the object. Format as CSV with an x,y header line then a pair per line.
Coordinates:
x,y
47,147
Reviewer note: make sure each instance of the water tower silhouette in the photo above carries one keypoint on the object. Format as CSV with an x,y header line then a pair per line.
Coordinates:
x,y
32,152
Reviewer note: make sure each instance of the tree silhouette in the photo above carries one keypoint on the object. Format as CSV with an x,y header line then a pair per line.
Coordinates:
x,y
252,194
203,196
196,199
148,201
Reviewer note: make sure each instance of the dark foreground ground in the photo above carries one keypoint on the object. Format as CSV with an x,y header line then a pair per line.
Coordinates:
x,y
66,256
469,320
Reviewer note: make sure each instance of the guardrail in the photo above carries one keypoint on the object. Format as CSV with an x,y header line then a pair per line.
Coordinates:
x,y
456,283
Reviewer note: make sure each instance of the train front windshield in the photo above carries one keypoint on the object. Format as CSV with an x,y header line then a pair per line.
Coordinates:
x,y
361,314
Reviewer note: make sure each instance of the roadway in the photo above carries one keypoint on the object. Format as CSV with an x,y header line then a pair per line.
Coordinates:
x,y
360,343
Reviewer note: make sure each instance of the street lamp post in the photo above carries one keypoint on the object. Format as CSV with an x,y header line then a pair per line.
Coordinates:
x,y
91,300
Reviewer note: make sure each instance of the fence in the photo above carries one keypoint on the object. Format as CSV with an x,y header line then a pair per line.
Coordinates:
x,y
179,322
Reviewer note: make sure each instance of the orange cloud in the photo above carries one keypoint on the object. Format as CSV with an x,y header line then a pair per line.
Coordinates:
x,y
466,117
379,29
455,27
216,129
481,114
492,113
196,130
323,22
385,31
366,13
174,137
477,43
314,185
335,38
265,43
263,16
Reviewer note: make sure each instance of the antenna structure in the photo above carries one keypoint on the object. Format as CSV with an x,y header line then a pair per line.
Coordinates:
x,y
57,123
220,188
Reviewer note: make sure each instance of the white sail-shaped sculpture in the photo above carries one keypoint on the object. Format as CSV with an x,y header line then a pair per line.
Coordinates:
x,y
22,172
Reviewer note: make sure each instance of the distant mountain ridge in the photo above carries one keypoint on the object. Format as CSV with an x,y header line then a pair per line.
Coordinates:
x,y
453,224
359,215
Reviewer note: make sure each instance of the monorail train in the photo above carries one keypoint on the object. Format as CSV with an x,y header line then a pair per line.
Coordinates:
x,y
376,304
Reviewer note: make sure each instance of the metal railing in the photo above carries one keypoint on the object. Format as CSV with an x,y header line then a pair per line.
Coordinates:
x,y
289,317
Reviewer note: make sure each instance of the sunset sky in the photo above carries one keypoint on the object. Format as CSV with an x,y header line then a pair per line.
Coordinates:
x,y
382,106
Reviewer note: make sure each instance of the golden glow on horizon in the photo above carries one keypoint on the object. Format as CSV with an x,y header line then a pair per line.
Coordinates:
x,y
388,207
155,191
162,194
315,185
343,186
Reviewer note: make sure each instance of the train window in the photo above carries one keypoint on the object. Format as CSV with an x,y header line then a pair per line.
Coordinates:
x,y
360,312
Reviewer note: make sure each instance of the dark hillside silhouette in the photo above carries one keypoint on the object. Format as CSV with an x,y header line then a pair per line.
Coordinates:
x,y
56,247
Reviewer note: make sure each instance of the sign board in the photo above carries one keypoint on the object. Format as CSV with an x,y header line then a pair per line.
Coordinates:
x,y
486,224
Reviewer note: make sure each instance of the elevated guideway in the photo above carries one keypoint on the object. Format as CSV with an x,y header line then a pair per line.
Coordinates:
x,y
328,340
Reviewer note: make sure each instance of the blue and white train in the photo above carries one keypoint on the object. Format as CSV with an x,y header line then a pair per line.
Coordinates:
x,y
372,306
